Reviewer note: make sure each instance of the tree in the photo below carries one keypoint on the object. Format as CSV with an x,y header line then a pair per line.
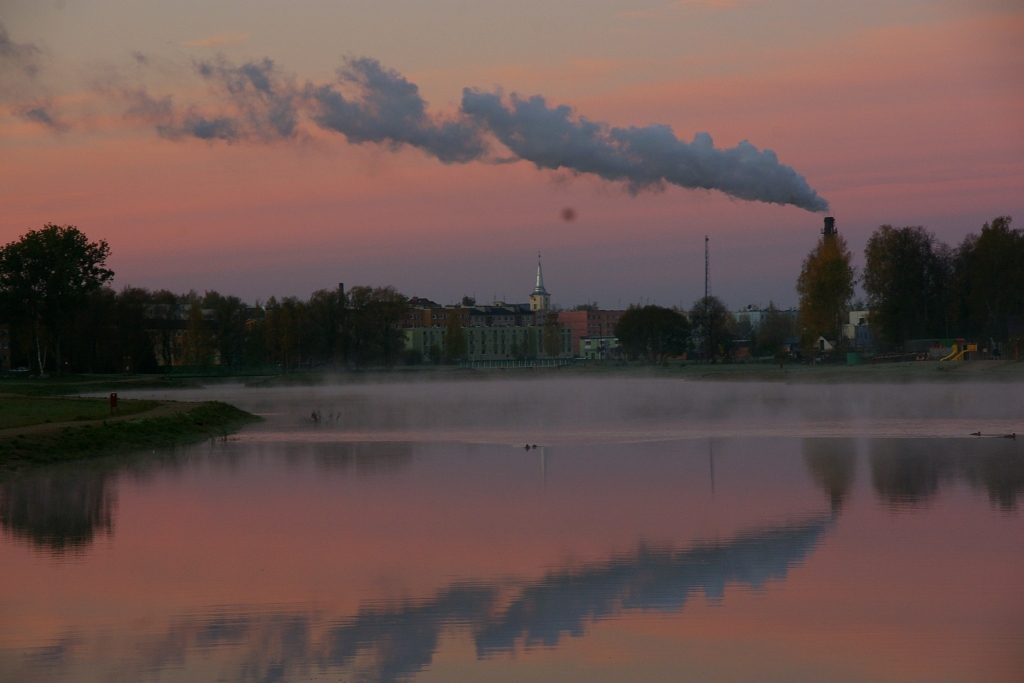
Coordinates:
x,y
434,353
770,336
373,324
110,333
825,287
455,345
907,279
552,341
996,273
45,278
710,318
652,332
326,310
166,324
230,316
198,340
468,301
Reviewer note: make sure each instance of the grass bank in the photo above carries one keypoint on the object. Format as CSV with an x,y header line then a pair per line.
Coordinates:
x,y
162,427
84,384
24,411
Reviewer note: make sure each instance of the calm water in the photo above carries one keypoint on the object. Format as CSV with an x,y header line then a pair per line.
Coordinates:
x,y
660,531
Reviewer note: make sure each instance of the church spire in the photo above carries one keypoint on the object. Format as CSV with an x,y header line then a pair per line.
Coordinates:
x,y
540,300
539,288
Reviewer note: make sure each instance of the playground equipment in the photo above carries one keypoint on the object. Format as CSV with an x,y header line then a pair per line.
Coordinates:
x,y
961,351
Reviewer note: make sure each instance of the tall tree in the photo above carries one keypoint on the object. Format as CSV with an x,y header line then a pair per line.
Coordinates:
x,y
652,332
167,323
230,316
552,335
455,345
996,272
326,311
771,334
46,276
906,279
373,324
710,318
825,287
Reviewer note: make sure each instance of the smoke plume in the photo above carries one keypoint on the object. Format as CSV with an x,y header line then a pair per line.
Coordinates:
x,y
367,103
391,111
643,158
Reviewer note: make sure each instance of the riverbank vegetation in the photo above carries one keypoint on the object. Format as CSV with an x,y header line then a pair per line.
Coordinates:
x,y
182,424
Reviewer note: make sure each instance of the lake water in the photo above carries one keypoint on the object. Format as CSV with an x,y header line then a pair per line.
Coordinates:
x,y
659,531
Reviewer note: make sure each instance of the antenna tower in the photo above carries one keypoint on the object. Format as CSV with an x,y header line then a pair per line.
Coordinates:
x,y
706,266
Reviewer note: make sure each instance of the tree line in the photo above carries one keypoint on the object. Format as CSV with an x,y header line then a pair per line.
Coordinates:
x,y
64,316
917,287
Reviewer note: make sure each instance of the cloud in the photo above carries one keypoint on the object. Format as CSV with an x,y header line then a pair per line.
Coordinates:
x,y
41,113
715,4
22,57
219,40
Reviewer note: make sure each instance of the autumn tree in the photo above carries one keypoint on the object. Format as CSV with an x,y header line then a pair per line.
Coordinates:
x,y
45,279
825,287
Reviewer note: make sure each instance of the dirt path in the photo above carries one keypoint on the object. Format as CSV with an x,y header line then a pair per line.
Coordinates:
x,y
165,408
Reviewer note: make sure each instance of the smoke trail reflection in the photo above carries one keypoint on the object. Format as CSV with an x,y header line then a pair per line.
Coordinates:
x,y
392,641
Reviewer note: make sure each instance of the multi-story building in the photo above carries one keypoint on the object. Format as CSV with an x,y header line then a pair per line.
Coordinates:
x,y
589,324
857,331
499,332
599,348
756,315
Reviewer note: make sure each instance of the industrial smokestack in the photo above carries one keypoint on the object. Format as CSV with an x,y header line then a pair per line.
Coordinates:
x,y
830,226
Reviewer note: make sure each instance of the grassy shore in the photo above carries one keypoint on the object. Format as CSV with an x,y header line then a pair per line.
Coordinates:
x,y
190,423
40,424
24,411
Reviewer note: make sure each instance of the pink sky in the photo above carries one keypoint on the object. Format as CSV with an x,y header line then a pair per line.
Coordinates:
x,y
904,112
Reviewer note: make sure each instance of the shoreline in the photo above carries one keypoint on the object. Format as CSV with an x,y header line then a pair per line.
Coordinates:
x,y
996,371
168,425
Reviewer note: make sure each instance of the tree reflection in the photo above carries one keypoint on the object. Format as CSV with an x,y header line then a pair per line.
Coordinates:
x,y
910,472
60,509
832,464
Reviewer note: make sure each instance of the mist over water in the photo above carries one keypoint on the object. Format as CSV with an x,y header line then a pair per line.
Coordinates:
x,y
698,530
598,409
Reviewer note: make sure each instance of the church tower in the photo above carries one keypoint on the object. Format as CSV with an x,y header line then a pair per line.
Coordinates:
x,y
540,300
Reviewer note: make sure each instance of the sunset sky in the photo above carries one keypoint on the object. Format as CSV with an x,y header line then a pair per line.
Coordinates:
x,y
909,112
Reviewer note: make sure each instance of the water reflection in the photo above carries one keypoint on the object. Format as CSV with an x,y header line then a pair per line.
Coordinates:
x,y
832,463
907,473
392,641
59,509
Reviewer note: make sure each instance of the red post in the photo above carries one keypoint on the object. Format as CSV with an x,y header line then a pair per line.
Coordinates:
x,y
113,402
